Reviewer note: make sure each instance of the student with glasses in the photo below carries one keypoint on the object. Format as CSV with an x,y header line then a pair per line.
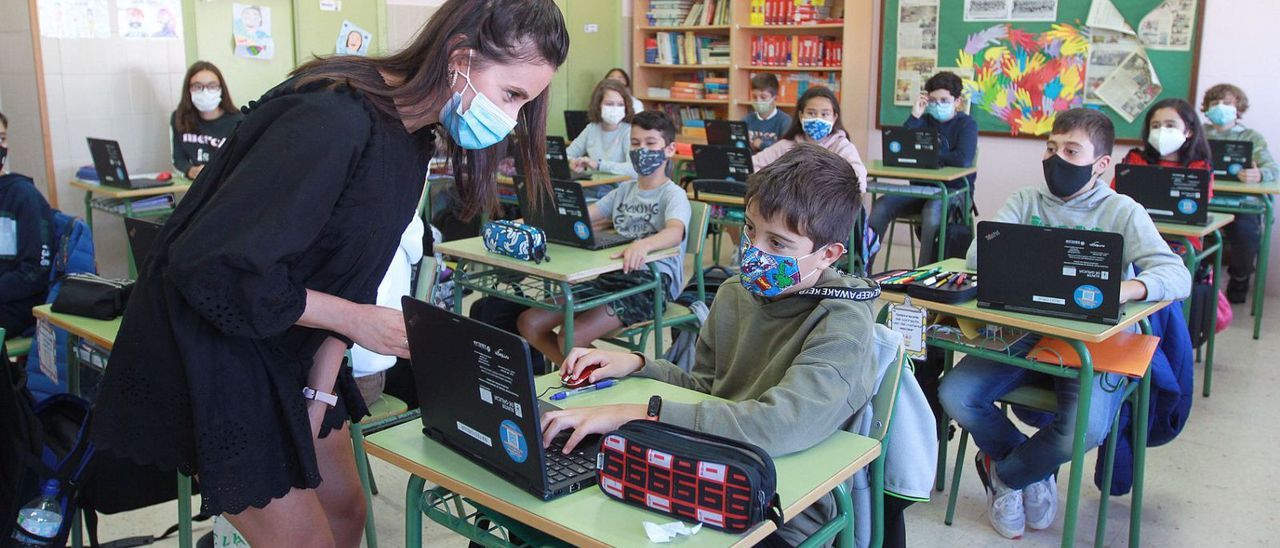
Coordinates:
x,y
205,117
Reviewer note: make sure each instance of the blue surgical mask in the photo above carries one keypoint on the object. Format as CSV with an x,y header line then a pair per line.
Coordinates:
x,y
647,160
941,111
816,128
766,274
482,125
1221,115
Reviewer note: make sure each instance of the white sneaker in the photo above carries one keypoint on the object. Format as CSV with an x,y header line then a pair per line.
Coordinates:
x,y
1005,510
1040,501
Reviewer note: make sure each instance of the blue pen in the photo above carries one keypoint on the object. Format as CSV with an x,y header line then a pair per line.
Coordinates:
x,y
597,386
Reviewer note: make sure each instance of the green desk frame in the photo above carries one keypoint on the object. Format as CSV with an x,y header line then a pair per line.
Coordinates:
x,y
934,179
128,197
1193,259
102,334
1229,199
1085,373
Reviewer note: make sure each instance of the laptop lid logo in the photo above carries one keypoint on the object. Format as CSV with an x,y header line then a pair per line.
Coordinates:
x,y
1088,297
513,441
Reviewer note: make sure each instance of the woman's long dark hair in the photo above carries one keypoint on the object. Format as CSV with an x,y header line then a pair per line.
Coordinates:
x,y
797,128
499,32
1196,148
188,117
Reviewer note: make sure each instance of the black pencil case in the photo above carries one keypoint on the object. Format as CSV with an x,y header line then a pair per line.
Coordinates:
x,y
946,293
688,475
92,296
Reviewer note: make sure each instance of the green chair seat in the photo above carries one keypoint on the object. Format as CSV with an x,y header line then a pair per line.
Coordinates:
x,y
18,347
386,406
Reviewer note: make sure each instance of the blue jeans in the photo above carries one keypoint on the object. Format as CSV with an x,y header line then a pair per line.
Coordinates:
x,y
968,394
887,208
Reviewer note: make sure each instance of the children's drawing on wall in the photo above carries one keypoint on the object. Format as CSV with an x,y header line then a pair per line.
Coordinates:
x,y
74,18
252,32
149,18
353,40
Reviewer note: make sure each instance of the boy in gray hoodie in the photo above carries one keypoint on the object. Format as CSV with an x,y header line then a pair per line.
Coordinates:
x,y
794,369
1019,471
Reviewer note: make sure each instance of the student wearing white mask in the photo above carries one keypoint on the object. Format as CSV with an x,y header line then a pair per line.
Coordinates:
x,y
605,144
205,117
1173,137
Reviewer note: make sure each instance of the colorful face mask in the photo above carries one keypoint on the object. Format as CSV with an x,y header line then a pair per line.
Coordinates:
x,y
816,128
646,160
1221,115
482,125
766,274
941,111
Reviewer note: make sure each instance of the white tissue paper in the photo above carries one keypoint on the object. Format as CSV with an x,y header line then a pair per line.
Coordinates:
x,y
660,534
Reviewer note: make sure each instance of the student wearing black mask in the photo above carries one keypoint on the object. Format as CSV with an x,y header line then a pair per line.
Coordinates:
x,y
26,243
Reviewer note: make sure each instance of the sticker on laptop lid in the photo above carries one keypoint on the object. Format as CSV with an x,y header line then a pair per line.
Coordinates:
x,y
513,441
1187,206
895,147
1087,297
580,230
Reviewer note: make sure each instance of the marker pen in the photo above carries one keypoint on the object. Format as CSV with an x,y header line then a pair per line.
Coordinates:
x,y
590,388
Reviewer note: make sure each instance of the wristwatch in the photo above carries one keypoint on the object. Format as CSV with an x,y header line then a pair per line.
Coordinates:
x,y
655,408
322,397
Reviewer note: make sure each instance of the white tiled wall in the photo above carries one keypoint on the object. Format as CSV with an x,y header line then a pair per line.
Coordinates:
x,y
110,88
19,98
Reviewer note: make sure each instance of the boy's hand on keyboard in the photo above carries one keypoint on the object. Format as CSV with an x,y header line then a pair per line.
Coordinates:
x,y
611,364
1251,175
633,256
588,420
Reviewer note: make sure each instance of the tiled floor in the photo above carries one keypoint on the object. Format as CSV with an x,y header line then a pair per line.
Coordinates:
x,y
1212,486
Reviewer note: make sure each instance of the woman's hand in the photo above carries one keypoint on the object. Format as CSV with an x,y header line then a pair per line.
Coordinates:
x,y
611,364
381,330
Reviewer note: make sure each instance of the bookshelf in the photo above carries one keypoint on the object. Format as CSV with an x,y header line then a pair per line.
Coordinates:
x,y
741,32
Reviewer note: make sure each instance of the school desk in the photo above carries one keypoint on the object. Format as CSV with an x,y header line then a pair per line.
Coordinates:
x,y
1076,334
588,518
555,284
931,185
598,178
1251,199
1193,258
92,190
101,334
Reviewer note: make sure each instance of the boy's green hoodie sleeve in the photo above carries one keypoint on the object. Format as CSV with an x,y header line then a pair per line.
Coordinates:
x,y
826,384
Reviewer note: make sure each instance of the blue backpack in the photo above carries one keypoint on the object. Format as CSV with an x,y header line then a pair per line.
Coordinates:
x,y
73,254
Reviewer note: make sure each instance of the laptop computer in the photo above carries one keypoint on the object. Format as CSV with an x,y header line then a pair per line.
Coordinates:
x,y
1229,158
476,386
727,133
574,122
108,161
565,219
905,147
722,162
1061,272
1169,194
142,233
558,161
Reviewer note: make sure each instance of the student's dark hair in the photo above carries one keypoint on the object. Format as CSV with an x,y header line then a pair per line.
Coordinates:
x,y
814,190
797,128
597,97
945,80
626,77
498,32
1220,92
1095,124
765,82
656,121
1195,149
187,117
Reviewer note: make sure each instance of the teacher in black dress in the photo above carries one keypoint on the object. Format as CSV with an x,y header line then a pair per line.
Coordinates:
x,y
228,364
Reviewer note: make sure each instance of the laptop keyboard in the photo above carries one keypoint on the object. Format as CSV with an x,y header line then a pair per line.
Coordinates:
x,y
610,239
562,467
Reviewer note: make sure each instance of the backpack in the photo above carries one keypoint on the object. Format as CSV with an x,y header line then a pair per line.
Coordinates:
x,y
73,254
52,443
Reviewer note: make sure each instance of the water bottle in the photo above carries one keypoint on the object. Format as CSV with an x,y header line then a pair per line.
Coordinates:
x,y
41,517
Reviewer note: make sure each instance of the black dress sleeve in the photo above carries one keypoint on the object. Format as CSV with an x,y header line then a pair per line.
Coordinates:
x,y
232,262
180,159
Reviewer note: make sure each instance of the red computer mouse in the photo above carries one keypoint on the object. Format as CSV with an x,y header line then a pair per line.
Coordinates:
x,y
164,176
583,378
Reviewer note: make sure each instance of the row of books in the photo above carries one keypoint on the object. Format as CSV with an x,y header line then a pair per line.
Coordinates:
x,y
708,12
682,114
792,12
710,88
673,48
796,51
792,85
668,13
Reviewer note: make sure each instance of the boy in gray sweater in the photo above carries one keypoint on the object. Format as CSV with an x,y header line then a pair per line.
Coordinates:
x,y
1019,471
793,369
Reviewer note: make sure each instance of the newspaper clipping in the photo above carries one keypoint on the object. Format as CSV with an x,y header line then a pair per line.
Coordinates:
x,y
1010,10
1107,49
1130,87
917,48
1170,26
